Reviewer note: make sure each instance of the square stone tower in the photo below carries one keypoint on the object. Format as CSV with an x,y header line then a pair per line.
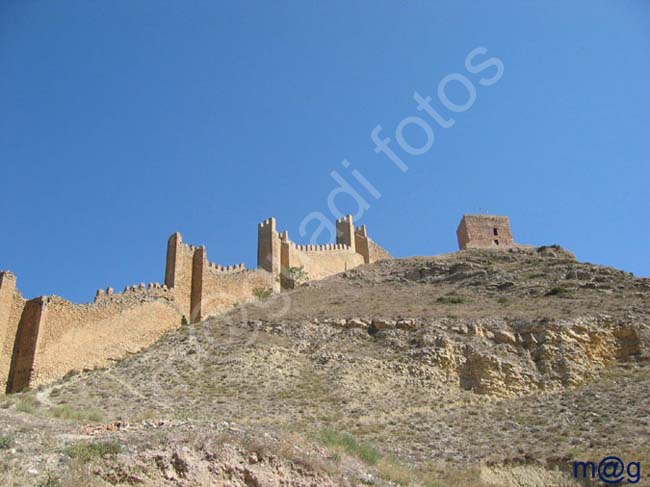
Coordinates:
x,y
484,232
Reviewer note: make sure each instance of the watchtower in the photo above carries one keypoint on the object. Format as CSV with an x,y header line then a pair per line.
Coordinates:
x,y
484,232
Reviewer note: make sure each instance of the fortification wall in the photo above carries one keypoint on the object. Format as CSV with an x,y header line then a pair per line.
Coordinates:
x,y
377,252
11,309
320,261
24,349
276,253
78,336
368,248
269,249
223,287
46,337
178,271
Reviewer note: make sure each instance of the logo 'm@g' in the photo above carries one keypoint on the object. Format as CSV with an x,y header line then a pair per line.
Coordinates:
x,y
611,470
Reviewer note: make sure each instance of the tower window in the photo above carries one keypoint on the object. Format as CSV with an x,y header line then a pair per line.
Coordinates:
x,y
496,242
496,232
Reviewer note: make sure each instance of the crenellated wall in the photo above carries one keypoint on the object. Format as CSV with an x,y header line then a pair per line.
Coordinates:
x,y
320,261
44,338
276,253
80,336
216,288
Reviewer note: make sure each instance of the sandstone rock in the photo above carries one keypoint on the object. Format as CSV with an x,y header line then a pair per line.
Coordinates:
x,y
382,324
504,337
404,324
356,323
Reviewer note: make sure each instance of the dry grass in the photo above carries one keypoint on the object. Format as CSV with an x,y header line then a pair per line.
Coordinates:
x,y
392,403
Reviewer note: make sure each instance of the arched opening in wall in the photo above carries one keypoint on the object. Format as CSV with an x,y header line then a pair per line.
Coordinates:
x,y
496,242
496,232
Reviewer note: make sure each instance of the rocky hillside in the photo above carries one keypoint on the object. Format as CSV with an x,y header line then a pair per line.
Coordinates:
x,y
477,368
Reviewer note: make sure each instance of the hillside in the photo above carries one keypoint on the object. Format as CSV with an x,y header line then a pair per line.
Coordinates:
x,y
476,368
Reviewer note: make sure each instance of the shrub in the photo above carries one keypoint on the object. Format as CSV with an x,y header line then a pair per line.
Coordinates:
x,y
50,481
27,404
6,442
560,292
262,292
544,248
292,277
70,374
451,299
86,452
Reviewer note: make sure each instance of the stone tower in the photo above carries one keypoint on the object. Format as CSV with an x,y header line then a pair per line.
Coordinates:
x,y
484,232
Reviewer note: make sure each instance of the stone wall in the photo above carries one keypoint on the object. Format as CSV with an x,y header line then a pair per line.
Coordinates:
x,y
320,261
46,337
74,336
484,231
353,247
25,344
178,271
222,290
216,288
11,308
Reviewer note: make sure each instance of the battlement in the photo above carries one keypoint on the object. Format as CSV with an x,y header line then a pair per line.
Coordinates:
x,y
226,269
319,248
153,289
276,252
48,336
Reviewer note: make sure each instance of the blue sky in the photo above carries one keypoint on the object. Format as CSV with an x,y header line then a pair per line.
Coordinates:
x,y
122,122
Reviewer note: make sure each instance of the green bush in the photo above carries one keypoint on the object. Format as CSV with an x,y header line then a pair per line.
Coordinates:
x,y
6,442
262,292
292,277
85,452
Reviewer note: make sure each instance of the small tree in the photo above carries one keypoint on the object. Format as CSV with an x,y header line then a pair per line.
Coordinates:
x,y
292,277
262,292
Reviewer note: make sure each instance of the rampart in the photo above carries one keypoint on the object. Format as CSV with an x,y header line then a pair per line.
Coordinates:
x,y
277,254
44,338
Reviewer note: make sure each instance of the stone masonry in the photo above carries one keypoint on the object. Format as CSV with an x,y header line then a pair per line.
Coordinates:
x,y
44,338
276,253
484,231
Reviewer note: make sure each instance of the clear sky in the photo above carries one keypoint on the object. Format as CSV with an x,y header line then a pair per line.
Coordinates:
x,y
122,122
